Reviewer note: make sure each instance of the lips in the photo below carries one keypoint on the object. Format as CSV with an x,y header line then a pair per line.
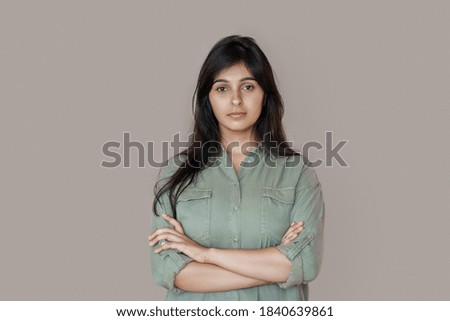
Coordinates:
x,y
236,115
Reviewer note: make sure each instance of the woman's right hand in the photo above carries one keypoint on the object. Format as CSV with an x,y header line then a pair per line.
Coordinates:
x,y
293,231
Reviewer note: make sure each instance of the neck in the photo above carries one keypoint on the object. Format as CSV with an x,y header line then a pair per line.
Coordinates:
x,y
238,146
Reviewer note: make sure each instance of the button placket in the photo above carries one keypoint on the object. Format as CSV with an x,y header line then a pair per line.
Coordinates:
x,y
236,196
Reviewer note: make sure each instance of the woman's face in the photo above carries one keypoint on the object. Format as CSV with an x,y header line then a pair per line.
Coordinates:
x,y
236,100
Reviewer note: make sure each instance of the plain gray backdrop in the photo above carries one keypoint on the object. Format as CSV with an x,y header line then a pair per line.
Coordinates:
x,y
77,74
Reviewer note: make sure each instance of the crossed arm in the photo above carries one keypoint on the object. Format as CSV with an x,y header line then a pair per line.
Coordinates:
x,y
214,270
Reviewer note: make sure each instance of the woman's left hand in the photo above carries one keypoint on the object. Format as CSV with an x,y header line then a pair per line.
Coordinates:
x,y
294,230
177,240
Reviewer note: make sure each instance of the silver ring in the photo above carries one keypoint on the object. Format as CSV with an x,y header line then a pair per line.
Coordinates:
x,y
162,242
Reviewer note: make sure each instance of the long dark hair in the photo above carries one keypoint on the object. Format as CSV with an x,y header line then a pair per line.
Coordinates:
x,y
204,143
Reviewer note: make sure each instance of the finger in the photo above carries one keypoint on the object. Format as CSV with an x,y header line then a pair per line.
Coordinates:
x,y
162,235
292,236
286,235
174,222
292,229
158,231
289,239
168,245
162,247
163,230
289,232
301,223
167,237
286,241
296,225
296,229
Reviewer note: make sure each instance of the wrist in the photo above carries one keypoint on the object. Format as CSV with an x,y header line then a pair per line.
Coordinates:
x,y
209,255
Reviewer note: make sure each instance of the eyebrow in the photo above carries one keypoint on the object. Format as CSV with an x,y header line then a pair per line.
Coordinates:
x,y
243,79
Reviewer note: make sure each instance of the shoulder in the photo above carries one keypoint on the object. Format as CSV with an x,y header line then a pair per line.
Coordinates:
x,y
303,169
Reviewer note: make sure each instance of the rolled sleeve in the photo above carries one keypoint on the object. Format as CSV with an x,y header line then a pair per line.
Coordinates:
x,y
166,264
305,251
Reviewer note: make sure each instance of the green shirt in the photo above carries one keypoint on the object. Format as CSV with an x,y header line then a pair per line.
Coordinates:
x,y
250,209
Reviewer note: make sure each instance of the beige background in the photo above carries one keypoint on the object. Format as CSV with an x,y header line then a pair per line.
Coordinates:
x,y
76,74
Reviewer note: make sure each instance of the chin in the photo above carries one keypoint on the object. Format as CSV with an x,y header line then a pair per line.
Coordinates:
x,y
238,128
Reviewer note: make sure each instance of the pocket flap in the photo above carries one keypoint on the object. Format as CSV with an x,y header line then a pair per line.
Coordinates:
x,y
284,195
195,193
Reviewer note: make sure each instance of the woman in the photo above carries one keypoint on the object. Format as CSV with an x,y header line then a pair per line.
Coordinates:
x,y
240,214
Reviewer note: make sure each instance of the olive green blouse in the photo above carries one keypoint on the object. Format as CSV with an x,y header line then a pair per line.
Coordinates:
x,y
250,209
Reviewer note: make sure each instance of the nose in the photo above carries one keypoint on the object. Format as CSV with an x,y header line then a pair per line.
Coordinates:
x,y
236,101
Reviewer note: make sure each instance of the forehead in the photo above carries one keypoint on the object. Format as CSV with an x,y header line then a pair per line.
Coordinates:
x,y
235,71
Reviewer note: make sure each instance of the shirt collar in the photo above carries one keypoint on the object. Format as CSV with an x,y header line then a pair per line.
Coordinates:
x,y
259,150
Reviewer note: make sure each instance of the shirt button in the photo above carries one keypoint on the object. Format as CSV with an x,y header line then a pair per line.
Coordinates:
x,y
235,208
235,239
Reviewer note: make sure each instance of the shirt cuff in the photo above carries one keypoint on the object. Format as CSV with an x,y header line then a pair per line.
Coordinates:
x,y
292,252
174,262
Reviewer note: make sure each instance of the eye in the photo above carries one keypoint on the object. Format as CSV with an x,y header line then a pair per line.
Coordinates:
x,y
251,87
220,89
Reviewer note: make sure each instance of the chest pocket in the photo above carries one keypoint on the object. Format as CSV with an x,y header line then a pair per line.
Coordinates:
x,y
194,213
277,204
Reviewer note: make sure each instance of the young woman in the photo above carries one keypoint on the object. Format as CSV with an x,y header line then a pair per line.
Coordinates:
x,y
238,215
